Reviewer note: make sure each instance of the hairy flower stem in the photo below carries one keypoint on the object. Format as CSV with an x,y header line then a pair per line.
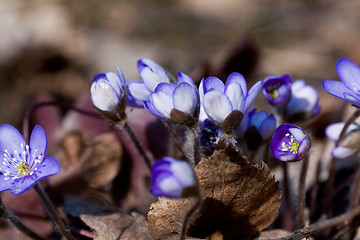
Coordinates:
x,y
332,173
288,213
196,205
196,150
171,133
124,125
6,214
31,110
52,212
301,194
321,225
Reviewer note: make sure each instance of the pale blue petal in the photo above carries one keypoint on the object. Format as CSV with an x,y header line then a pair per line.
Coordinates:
x,y
150,108
182,77
353,98
11,139
213,83
22,185
185,98
349,73
236,95
237,78
48,167
217,106
252,95
336,88
342,152
162,102
38,143
138,90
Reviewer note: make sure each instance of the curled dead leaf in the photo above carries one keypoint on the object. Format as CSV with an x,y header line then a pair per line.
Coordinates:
x,y
107,222
240,200
96,161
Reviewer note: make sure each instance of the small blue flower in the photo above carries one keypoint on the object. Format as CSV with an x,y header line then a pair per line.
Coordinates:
x,y
173,178
333,132
152,74
226,104
257,127
22,164
349,87
289,143
175,102
210,134
108,94
277,90
304,102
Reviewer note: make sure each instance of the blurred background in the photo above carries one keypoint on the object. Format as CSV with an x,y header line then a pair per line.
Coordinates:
x,y
54,48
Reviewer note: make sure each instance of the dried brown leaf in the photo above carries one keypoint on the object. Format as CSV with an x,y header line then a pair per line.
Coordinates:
x,y
107,222
240,200
96,161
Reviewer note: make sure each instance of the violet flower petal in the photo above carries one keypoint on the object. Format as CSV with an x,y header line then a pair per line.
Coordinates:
x,y
349,73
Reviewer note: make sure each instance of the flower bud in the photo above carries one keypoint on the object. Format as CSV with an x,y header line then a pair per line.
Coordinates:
x,y
289,143
257,127
226,105
277,90
173,178
108,94
178,103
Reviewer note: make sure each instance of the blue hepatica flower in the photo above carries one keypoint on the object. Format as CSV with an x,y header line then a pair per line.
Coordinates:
x,y
257,127
175,102
349,87
108,94
152,74
22,164
226,104
289,143
277,90
304,102
333,132
173,178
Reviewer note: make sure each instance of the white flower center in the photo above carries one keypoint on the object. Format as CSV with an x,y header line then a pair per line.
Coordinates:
x,y
21,164
291,146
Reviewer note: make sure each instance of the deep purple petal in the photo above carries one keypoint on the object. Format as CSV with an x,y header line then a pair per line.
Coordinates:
x,y
22,185
11,139
349,73
48,167
38,142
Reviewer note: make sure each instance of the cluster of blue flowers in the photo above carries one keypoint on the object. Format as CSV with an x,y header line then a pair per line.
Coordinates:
x,y
223,109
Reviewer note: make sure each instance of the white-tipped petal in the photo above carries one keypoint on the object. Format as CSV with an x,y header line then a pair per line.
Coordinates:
x,y
252,95
138,90
236,96
185,98
162,102
217,106
104,96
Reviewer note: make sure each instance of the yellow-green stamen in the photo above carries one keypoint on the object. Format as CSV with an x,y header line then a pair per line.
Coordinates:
x,y
291,146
